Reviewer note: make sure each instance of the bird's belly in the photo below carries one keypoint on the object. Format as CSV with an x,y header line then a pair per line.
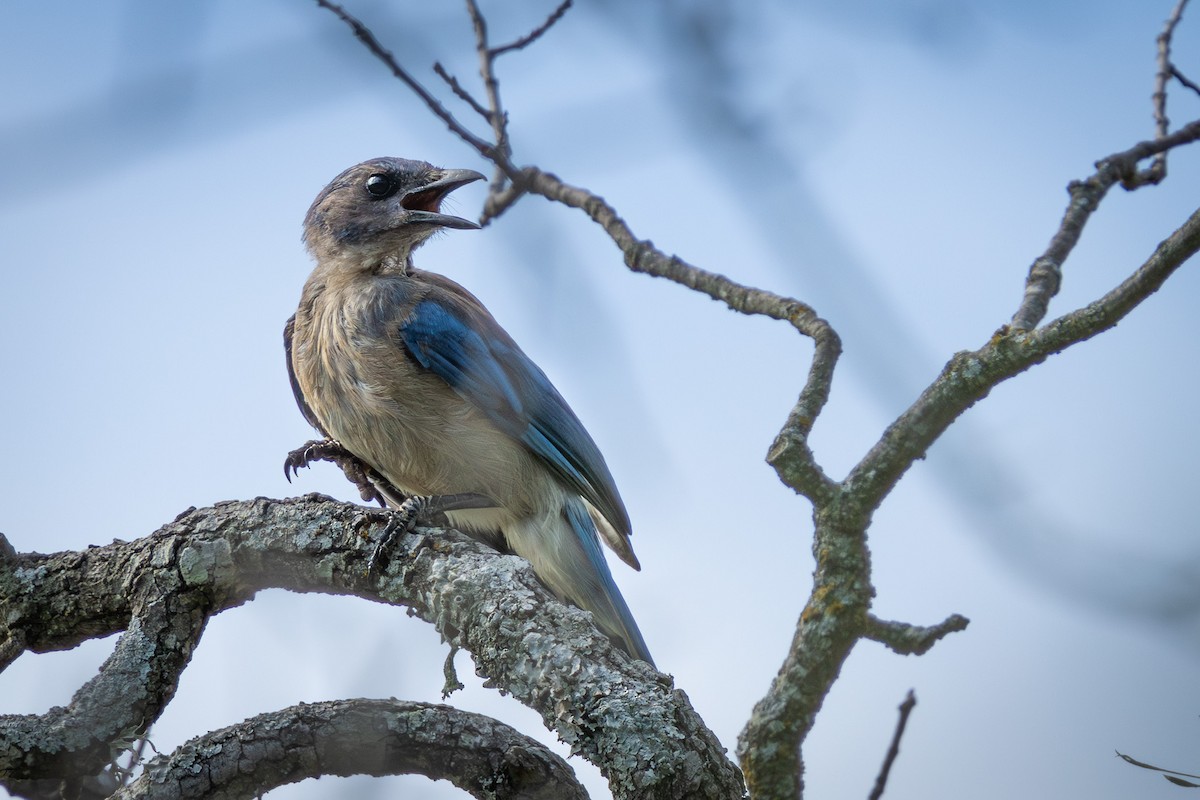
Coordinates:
x,y
427,441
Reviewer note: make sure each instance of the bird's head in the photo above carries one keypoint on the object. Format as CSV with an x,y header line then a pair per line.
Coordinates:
x,y
380,210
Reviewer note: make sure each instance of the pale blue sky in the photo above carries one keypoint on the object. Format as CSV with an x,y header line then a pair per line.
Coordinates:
x,y
897,165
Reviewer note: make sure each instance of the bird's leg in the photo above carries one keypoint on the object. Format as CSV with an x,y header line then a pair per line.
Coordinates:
x,y
420,508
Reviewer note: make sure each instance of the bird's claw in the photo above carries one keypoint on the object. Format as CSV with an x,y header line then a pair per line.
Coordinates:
x,y
372,486
419,508
400,521
310,451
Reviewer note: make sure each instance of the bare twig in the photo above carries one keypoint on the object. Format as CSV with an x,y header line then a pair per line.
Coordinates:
x,y
906,708
1162,125
364,35
906,639
496,114
969,376
1188,83
1045,276
499,201
462,93
789,454
535,34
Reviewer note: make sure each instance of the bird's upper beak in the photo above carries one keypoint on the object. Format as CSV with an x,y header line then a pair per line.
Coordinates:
x,y
424,203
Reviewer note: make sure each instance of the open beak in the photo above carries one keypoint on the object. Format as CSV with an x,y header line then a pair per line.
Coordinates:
x,y
424,204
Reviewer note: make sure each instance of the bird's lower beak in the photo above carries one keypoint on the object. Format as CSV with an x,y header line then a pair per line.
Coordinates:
x,y
424,204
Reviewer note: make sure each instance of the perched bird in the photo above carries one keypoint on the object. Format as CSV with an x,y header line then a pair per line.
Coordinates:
x,y
411,374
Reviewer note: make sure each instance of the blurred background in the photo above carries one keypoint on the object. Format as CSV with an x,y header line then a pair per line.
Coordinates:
x,y
896,165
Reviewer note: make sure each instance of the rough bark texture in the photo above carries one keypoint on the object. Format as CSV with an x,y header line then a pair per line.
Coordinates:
x,y
481,756
620,714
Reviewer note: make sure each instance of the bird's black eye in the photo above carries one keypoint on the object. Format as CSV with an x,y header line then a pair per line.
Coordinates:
x,y
380,185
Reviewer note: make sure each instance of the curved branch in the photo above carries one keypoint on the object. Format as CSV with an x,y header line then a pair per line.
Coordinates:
x,y
479,755
620,714
163,619
789,454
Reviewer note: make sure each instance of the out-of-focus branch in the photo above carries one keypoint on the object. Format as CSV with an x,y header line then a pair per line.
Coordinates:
x,y
906,639
535,34
491,86
365,35
906,707
1166,70
483,757
1174,776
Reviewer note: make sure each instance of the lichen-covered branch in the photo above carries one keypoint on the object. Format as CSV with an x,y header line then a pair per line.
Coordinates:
x,y
621,714
828,628
836,614
1045,276
912,640
483,757
969,376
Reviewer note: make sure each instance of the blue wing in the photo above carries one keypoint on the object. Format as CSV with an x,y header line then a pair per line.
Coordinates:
x,y
459,342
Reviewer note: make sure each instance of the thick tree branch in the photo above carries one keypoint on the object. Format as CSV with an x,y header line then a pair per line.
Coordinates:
x,y
47,607
830,624
620,714
485,758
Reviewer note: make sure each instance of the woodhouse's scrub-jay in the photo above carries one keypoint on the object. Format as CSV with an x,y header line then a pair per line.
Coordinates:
x,y
413,376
